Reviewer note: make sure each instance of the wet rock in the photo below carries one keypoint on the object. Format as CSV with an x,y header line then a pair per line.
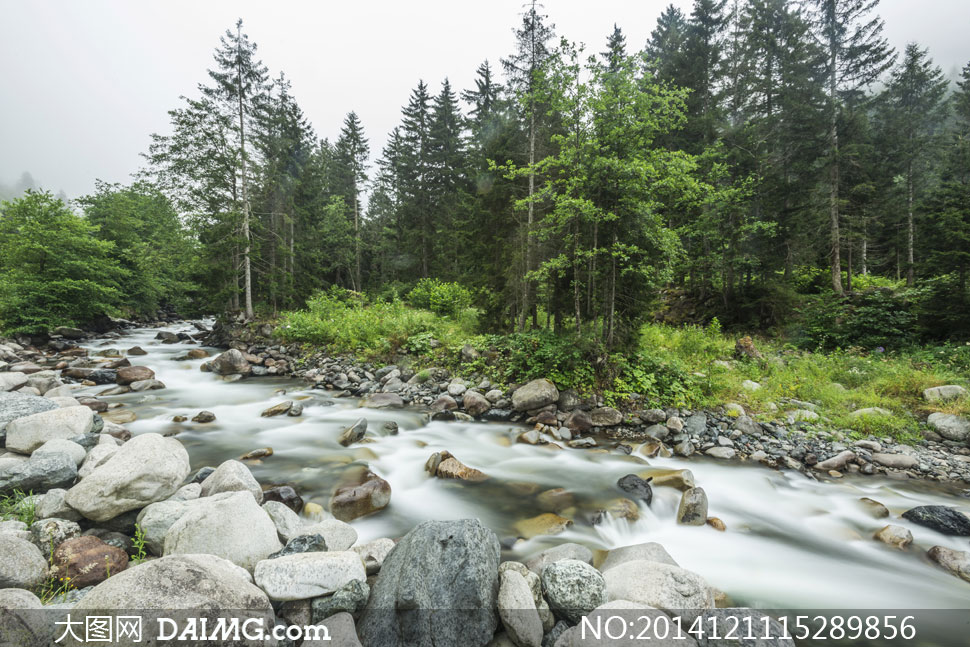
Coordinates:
x,y
337,534
231,362
534,395
717,524
87,561
459,570
119,416
543,524
449,467
137,350
147,385
128,374
307,575
234,528
196,353
619,508
837,462
256,454
302,544
167,337
895,536
658,585
567,550
637,487
382,401
555,500
874,508
286,495
146,469
944,393
679,479
102,376
693,507
203,417
956,562
475,403
232,476
354,433
573,588
22,565
605,417
26,434
650,552
368,493
940,518
578,421
277,409
374,553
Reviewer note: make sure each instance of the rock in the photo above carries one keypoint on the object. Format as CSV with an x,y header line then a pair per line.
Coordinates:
x,y
944,393
534,395
475,403
750,385
14,599
12,381
650,552
382,401
578,421
733,410
724,453
368,494
803,415
146,469
278,409
746,425
870,412
374,553
337,534
37,474
693,507
232,476
119,416
555,500
51,533
52,506
605,417
234,528
679,479
950,426
68,332
137,350
87,561
146,385
22,565
26,434
717,524
956,562
98,455
62,445
204,417
658,585
308,575
543,524
353,433
837,462
940,518
350,598
302,544
256,454
444,402
517,610
895,536
14,405
573,588
449,600
286,495
288,523
552,555
341,630
205,584
637,487
451,468
456,389
196,353
129,374
744,348
896,461
231,362
696,424
874,508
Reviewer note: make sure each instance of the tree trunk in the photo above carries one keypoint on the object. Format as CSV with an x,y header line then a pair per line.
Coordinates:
x,y
247,272
526,282
357,240
910,270
834,171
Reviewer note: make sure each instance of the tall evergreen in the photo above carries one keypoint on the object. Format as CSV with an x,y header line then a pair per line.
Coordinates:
x,y
664,52
351,153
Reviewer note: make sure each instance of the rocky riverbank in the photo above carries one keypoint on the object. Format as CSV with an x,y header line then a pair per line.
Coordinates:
x,y
125,521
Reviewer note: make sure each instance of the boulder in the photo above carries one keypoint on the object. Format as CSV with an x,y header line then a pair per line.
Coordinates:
x,y
658,585
517,610
26,434
234,528
203,417
573,588
128,374
37,474
450,600
449,467
534,395
543,524
950,426
637,487
62,445
956,562
308,575
895,461
578,421
895,536
354,433
12,381
137,350
382,401
231,362
368,493
87,561
337,534
475,403
68,333
98,455
374,553
14,405
693,507
22,565
232,476
650,552
944,393
146,469
156,519
605,417
277,409
288,523
940,518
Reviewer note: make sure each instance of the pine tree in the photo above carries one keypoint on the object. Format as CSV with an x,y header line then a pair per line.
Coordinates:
x,y
351,154
856,55
664,52
447,160
412,168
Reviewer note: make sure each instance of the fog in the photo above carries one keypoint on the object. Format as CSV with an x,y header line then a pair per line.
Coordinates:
x,y
84,84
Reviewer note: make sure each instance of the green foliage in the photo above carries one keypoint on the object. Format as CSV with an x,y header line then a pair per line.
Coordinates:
x,y
568,360
18,506
662,379
872,320
138,543
440,297
53,269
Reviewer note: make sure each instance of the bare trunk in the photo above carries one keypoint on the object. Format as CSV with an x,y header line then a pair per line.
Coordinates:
x,y
526,282
247,271
834,171
612,306
910,229
357,285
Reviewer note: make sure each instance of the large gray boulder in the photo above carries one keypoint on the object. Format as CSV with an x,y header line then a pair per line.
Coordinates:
x,y
155,519
439,586
17,405
573,588
38,473
950,426
649,551
658,585
234,528
231,362
11,381
308,575
146,469
232,476
944,393
22,565
517,610
534,394
26,434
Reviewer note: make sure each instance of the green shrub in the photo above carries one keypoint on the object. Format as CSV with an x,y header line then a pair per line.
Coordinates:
x,y
440,297
870,320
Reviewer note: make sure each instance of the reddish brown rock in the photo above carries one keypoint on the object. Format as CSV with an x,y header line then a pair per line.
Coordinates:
x,y
368,494
129,374
86,561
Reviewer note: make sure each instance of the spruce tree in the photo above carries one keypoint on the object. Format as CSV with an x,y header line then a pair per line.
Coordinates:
x,y
351,153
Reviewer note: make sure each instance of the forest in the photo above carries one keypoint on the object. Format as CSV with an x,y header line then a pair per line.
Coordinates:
x,y
770,165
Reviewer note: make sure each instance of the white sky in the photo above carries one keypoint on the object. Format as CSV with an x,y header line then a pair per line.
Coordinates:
x,y
84,83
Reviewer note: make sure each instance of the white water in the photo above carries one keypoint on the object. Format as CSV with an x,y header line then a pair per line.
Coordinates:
x,y
791,542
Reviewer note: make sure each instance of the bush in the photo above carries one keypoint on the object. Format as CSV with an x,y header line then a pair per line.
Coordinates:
x,y
440,297
874,319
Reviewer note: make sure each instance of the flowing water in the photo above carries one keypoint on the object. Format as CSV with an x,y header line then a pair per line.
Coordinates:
x,y
791,542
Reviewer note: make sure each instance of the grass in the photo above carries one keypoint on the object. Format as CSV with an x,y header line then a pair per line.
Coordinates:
x,y
18,506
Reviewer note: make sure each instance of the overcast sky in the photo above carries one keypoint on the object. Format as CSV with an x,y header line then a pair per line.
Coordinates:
x,y
84,83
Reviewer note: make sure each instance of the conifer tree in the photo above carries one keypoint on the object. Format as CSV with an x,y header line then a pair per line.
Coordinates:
x,y
351,153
